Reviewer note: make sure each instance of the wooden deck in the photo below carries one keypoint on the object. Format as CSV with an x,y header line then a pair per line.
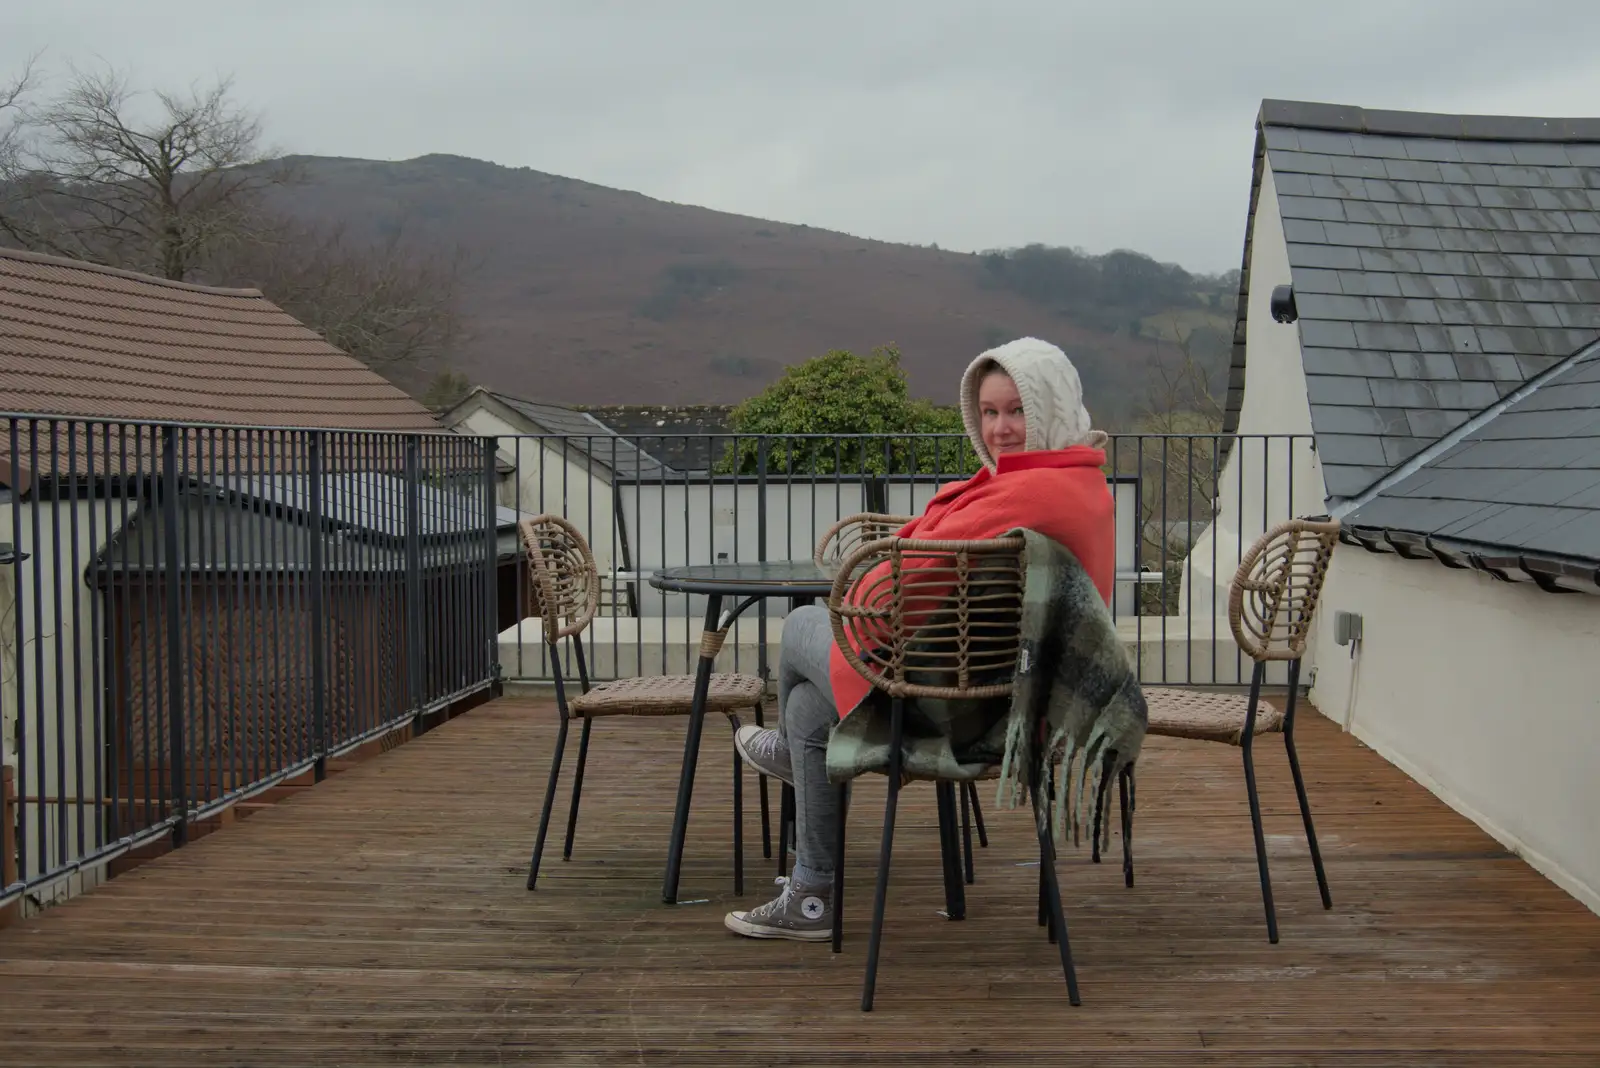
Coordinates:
x,y
380,918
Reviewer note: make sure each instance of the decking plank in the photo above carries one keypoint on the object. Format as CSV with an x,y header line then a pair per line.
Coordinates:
x,y
380,918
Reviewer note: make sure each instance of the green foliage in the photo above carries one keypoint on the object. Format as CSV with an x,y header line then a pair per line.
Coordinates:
x,y
837,396
1108,292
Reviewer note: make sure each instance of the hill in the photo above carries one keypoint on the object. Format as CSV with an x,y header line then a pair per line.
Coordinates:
x,y
583,294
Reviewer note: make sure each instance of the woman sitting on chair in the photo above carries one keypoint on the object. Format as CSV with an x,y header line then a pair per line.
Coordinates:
x,y
1023,409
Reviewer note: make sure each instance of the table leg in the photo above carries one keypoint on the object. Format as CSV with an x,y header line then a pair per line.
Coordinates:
x,y
691,754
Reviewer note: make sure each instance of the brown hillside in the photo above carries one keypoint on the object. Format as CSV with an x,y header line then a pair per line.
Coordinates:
x,y
584,294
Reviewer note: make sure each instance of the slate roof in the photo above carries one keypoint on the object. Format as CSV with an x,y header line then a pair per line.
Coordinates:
x,y
1438,262
81,340
687,441
1519,491
588,436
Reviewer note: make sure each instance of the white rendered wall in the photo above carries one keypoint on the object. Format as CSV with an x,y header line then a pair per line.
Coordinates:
x,y
1265,480
1481,690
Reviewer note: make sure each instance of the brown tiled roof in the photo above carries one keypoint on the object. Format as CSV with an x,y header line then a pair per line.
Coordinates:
x,y
87,341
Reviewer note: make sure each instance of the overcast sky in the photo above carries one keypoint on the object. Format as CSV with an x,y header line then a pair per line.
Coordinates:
x,y
972,124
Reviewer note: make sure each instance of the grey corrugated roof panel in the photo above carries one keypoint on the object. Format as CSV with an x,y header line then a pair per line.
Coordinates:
x,y
370,501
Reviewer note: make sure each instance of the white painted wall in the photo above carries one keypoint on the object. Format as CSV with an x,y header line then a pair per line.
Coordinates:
x,y
55,689
1481,690
551,478
1265,480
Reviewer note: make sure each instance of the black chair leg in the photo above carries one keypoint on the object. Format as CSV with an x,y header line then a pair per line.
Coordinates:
x,y
1125,790
880,897
555,771
977,815
691,758
766,820
1058,919
738,814
966,836
1247,748
955,900
1044,908
843,804
1300,786
577,787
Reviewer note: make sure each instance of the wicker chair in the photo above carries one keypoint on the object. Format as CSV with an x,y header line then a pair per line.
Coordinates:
x,y
840,541
939,620
563,584
1271,605
852,532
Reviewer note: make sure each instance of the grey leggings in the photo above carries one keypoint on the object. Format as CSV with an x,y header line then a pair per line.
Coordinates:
x,y
806,717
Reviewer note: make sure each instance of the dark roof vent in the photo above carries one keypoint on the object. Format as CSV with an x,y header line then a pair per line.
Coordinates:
x,y
1283,309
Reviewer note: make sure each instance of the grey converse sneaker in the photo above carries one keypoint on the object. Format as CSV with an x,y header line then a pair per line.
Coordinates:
x,y
764,749
801,913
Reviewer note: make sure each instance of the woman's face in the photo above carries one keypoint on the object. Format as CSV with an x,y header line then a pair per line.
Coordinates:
x,y
1005,428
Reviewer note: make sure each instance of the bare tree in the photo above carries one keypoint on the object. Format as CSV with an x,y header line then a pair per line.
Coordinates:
x,y
180,185
391,305
94,174
1179,464
13,96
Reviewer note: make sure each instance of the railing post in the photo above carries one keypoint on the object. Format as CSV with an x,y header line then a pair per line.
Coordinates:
x,y
319,663
761,547
413,566
173,612
491,572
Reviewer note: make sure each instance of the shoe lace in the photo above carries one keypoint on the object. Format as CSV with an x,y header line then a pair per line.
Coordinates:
x,y
781,902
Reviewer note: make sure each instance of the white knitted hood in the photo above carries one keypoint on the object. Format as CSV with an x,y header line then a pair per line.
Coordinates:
x,y
1052,397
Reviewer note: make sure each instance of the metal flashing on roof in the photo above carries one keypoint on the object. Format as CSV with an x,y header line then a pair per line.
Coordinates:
x,y
1420,124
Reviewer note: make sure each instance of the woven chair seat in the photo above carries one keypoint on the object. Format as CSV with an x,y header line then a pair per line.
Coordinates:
x,y
1206,716
668,695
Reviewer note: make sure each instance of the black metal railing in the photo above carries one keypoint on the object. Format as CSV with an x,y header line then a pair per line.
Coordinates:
x,y
1188,507
192,614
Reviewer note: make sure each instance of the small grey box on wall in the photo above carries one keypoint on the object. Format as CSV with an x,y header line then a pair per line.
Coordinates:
x,y
1346,628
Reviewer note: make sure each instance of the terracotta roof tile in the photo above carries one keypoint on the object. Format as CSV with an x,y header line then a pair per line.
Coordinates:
x,y
87,341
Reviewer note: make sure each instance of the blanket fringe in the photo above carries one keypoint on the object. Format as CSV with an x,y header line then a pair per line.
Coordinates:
x,y
1074,775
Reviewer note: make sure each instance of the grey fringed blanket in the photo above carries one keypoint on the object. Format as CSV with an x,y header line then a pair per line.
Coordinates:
x,y
1072,685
